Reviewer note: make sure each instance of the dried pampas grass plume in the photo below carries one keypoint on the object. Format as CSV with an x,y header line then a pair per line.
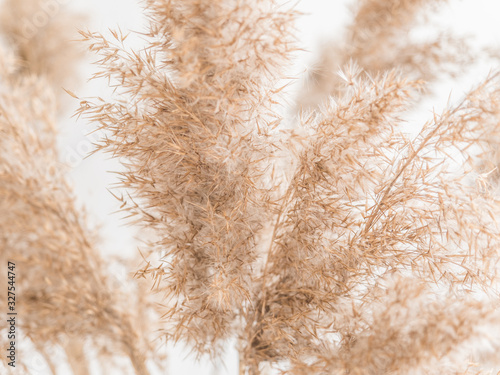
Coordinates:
x,y
191,120
366,203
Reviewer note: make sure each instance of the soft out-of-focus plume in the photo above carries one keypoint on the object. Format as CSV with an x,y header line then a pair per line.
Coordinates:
x,y
379,40
409,329
65,294
40,32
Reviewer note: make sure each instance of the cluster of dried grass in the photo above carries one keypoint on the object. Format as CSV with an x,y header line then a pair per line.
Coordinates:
x,y
350,248
373,252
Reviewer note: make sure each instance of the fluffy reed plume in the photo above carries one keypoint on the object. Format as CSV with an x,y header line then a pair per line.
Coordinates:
x,y
378,40
366,203
191,126
64,293
377,255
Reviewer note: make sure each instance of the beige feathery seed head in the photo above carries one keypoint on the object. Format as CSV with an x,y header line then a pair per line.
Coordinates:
x,y
366,203
193,132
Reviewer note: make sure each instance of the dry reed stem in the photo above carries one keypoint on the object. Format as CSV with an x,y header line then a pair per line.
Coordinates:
x,y
76,357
